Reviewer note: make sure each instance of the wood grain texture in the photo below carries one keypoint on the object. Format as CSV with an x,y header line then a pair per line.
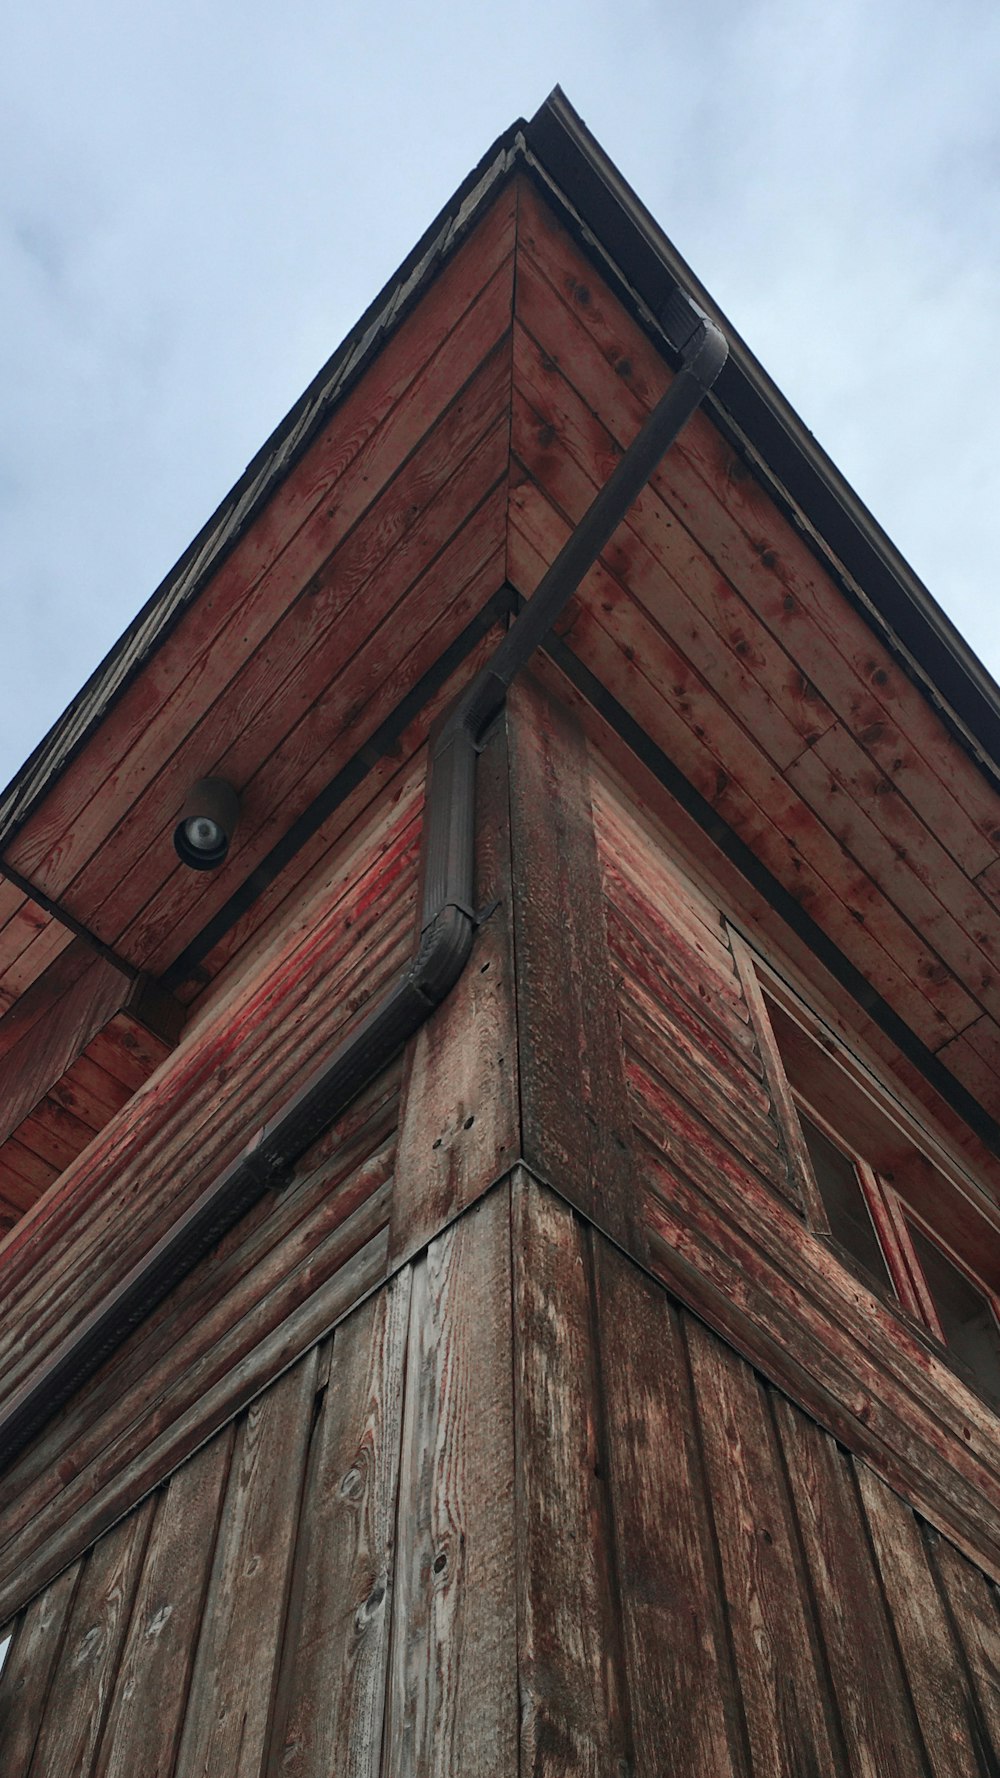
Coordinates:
x,y
331,1691
781,1675
838,1351
230,1700
573,1701
117,1480
88,1662
873,1699
452,1702
712,621
371,434
460,1119
684,1703
233,1072
574,1106
971,1602
935,1672
28,1669
151,1684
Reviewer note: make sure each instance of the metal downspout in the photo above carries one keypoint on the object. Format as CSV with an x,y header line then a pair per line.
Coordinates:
x,y
447,929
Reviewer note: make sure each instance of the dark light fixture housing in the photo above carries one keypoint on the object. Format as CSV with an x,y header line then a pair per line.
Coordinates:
x,y
207,823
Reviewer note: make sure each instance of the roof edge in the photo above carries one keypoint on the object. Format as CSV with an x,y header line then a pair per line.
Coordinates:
x,y
836,519
558,146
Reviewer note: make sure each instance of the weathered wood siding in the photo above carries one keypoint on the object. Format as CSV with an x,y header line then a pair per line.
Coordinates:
x,y
521,1513
712,622
283,1275
718,1215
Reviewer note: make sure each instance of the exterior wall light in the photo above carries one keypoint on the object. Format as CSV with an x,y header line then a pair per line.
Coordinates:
x,y
207,824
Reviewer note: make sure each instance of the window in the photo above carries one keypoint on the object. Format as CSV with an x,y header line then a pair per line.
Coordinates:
x,y
899,1211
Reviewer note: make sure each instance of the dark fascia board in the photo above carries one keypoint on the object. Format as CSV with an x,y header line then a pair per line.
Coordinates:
x,y
612,222
782,450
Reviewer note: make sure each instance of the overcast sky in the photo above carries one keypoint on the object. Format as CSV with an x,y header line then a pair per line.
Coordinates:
x,y
198,200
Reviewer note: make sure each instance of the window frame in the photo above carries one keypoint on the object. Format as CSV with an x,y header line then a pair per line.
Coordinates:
x,y
888,1206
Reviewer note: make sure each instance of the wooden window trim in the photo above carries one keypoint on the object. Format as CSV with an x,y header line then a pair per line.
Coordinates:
x,y
889,1208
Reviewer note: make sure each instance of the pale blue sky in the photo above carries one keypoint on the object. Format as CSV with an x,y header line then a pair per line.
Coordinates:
x,y
197,202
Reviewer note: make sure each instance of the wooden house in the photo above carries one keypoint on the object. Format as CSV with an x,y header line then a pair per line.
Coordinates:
x,y
500,1275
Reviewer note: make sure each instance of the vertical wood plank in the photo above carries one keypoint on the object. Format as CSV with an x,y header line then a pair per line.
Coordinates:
x,y
576,1120
868,1682
151,1686
28,1670
229,1707
938,1683
974,1609
685,1712
781,1678
453,1679
460,1121
573,1710
88,1663
331,1693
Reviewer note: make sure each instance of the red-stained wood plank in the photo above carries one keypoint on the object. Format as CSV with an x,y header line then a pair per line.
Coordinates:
x,y
573,1702
876,1712
683,1700
937,1680
619,374
89,1091
567,450
11,899
782,1682
28,1670
974,1059
714,1104
460,1127
88,1662
56,1135
151,1684
54,987
453,1686
331,1692
229,1703
311,649
651,897
45,947
197,1083
724,764
28,923
454,590
240,593
666,1021
772,936
26,1173
939,914
385,804
575,1117
53,1021
260,1043
800,852
635,846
